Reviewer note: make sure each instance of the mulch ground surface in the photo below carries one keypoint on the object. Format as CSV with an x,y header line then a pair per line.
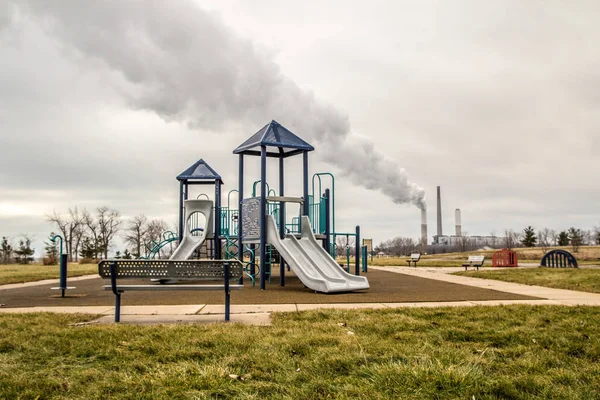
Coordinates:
x,y
386,287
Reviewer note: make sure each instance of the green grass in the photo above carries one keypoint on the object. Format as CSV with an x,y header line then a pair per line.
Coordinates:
x,y
16,273
516,352
585,280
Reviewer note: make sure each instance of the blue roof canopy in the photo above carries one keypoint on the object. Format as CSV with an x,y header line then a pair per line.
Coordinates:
x,y
200,170
274,135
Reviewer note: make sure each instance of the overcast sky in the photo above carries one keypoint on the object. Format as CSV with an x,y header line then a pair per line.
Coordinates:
x,y
105,103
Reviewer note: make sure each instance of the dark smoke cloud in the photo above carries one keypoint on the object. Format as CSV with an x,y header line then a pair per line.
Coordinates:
x,y
186,65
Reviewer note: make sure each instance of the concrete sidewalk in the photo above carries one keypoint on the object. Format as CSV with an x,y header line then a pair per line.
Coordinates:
x,y
259,314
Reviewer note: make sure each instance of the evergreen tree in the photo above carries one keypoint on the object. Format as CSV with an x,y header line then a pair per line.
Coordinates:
x,y
88,249
6,251
529,238
563,239
51,252
24,253
576,238
127,255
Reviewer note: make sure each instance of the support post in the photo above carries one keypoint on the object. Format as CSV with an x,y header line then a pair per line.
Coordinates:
x,y
227,291
240,198
217,241
305,183
281,219
263,216
327,243
180,211
63,274
357,252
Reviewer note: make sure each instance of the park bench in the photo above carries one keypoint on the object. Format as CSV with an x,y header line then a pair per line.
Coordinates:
x,y
474,261
414,258
180,271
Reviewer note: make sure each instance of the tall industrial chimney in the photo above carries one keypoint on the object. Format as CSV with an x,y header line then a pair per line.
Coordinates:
x,y
424,226
458,222
439,212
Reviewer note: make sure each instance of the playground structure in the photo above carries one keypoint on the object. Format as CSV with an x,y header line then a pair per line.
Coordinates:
x,y
559,259
257,231
505,258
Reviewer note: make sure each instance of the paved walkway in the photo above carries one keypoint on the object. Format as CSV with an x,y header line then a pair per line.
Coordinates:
x,y
259,314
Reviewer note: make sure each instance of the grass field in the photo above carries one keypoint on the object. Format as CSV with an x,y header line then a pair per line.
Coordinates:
x,y
585,280
587,255
17,273
443,353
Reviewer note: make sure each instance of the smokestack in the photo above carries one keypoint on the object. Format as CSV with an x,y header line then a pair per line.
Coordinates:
x,y
439,212
424,226
458,222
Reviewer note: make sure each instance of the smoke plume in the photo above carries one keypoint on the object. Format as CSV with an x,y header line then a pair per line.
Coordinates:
x,y
186,65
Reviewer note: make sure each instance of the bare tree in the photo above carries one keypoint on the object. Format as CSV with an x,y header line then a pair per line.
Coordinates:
x,y
493,240
154,234
68,227
93,231
135,233
109,221
511,239
596,235
398,246
464,242
544,239
341,244
554,237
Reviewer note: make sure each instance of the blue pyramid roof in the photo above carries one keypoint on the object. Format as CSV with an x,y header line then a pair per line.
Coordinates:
x,y
274,135
200,170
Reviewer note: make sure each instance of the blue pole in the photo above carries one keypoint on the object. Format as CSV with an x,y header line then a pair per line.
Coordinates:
x,y
281,219
357,252
227,294
218,219
63,273
240,198
327,243
263,216
180,211
305,182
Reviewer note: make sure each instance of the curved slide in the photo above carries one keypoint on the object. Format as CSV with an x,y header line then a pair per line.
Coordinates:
x,y
312,264
190,243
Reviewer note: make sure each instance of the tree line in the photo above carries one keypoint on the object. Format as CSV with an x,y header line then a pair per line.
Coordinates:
x,y
89,236
528,237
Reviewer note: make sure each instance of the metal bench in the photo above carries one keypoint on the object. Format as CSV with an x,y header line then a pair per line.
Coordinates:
x,y
474,261
414,258
171,270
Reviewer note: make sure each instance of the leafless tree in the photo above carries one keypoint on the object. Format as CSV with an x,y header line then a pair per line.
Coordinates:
x,y
68,227
596,234
341,244
511,239
92,230
109,222
398,246
554,237
493,239
464,242
135,233
544,239
154,234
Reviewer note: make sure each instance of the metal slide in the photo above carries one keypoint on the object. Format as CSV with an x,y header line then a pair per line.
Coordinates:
x,y
312,264
190,242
